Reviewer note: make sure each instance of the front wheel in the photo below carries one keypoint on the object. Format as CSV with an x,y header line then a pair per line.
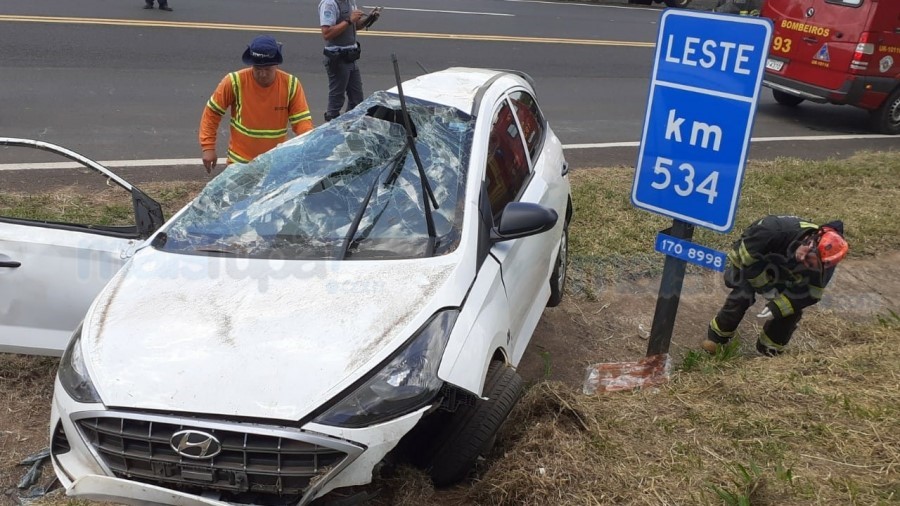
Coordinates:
x,y
786,98
558,278
473,428
886,119
677,3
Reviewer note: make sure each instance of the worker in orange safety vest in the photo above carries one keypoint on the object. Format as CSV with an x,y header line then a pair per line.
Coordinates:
x,y
262,100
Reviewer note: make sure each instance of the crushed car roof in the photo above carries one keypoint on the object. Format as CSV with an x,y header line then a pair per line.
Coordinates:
x,y
455,87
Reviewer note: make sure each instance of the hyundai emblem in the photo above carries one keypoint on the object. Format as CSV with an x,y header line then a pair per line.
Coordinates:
x,y
195,444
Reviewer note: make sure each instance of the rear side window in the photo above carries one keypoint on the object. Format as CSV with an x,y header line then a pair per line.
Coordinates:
x,y
531,120
848,3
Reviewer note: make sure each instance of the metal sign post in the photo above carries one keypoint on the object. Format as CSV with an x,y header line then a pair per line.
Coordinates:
x,y
669,294
703,93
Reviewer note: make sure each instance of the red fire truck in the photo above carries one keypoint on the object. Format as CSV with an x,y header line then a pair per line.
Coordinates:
x,y
839,52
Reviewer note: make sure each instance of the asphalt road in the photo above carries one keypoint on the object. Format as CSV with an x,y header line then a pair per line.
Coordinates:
x,y
115,82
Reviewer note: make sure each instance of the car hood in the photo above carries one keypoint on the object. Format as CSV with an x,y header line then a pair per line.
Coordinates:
x,y
250,338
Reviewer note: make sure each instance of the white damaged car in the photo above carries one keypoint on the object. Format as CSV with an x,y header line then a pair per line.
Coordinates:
x,y
360,291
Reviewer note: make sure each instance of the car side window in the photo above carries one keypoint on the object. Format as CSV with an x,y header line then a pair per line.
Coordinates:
x,y
507,163
531,120
69,196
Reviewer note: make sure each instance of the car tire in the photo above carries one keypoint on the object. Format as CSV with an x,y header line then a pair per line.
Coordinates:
x,y
677,3
786,98
726,8
886,119
472,429
560,270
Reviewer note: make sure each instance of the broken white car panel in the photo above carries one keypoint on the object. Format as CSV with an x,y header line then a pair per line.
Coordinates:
x,y
308,316
50,272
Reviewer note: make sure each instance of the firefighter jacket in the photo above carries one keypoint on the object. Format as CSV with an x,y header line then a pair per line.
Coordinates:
x,y
764,258
259,116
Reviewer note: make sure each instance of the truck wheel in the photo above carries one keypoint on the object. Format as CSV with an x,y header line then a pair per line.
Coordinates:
x,y
786,98
726,8
558,278
471,430
677,3
886,119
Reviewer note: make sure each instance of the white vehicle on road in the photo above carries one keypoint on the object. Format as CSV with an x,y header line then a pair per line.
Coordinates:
x,y
363,291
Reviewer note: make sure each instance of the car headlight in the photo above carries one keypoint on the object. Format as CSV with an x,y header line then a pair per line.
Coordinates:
x,y
408,381
73,375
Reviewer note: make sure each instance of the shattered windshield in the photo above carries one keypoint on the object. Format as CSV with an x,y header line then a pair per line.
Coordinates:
x,y
302,199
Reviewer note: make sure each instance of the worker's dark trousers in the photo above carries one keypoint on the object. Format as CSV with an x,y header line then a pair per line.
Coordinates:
x,y
343,78
742,296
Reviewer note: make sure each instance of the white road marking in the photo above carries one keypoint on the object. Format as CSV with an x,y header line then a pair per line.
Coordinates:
x,y
600,145
182,162
635,144
172,162
576,4
442,12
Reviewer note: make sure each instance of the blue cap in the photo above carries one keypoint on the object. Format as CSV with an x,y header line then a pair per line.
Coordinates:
x,y
263,51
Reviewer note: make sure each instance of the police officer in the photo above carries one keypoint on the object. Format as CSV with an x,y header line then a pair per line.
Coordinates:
x,y
339,20
163,5
787,260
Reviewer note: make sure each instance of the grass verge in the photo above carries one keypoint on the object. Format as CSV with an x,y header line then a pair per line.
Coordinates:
x,y
610,239
805,428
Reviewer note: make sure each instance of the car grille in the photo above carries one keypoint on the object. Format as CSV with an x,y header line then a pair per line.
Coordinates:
x,y
274,462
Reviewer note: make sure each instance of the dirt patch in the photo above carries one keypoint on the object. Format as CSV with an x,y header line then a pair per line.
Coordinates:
x,y
26,386
611,327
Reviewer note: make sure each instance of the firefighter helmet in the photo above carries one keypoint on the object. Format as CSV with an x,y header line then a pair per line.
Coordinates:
x,y
831,247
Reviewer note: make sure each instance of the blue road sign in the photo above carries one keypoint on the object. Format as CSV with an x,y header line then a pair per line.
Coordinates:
x,y
703,93
690,252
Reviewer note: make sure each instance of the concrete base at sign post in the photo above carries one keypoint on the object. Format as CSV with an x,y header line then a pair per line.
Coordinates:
x,y
616,376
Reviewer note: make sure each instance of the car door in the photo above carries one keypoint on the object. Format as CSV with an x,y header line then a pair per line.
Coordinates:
x,y
54,256
524,262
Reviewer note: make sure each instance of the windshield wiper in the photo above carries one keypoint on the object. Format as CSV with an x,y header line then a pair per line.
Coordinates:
x,y
354,226
219,251
396,166
428,195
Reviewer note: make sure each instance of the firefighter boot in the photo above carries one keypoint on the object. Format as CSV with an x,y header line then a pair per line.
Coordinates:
x,y
709,346
766,350
714,338
712,342
776,334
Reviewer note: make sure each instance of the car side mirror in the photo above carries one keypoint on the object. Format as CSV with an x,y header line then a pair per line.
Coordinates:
x,y
523,219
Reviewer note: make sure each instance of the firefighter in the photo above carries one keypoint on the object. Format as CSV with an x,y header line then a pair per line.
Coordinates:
x,y
789,262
